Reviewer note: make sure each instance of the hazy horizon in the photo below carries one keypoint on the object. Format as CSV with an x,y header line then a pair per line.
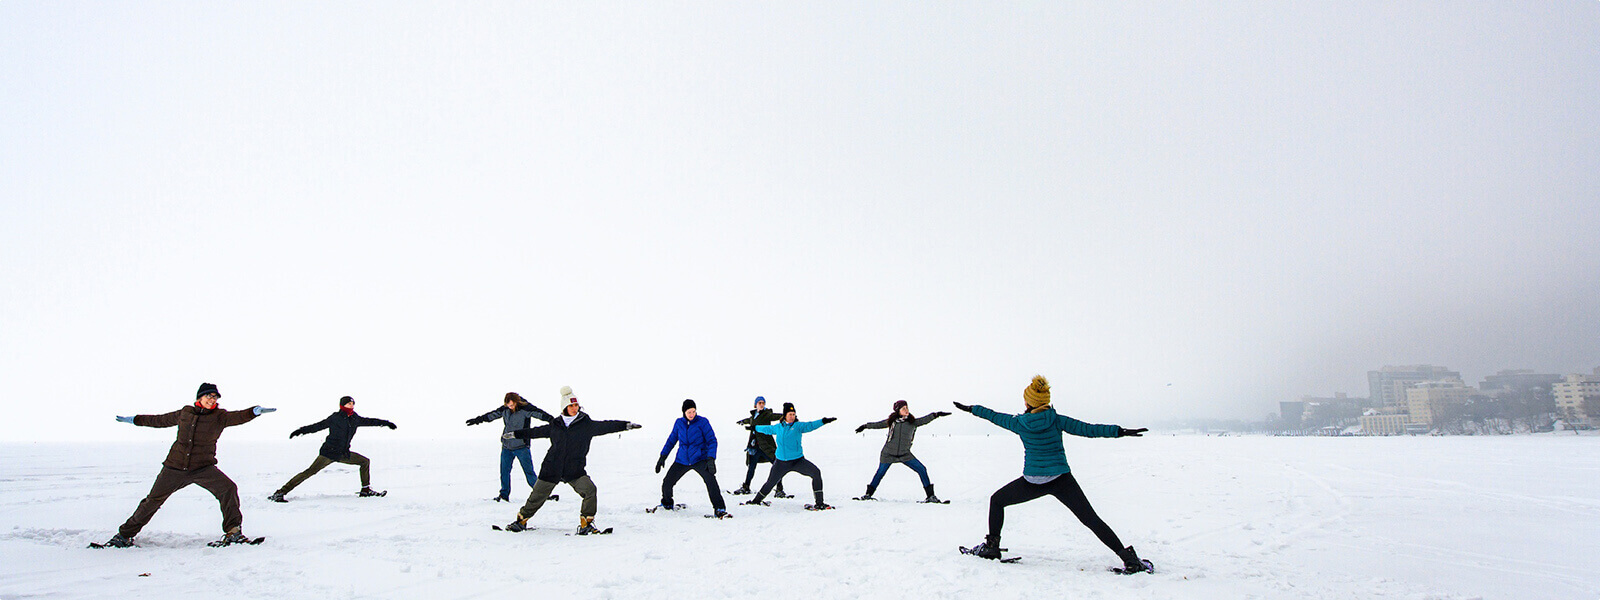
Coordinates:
x,y
1192,211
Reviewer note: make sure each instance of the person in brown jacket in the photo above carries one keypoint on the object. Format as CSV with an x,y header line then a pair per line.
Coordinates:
x,y
192,460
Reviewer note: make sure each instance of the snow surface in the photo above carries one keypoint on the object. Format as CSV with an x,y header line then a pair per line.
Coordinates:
x,y
1222,517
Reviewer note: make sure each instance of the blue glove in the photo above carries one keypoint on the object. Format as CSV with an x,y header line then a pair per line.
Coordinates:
x,y
128,420
261,411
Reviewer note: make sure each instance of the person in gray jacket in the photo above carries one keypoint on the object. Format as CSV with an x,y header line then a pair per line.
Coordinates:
x,y
516,414
897,447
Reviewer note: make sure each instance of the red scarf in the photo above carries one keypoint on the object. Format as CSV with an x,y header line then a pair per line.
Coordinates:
x,y
200,406
347,410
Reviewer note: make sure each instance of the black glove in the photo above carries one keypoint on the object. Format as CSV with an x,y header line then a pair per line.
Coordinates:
x,y
1125,432
711,466
634,426
827,420
390,425
861,429
941,414
962,406
661,463
295,433
474,421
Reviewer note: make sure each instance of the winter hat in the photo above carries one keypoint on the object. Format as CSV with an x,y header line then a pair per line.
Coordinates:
x,y
899,404
1037,394
788,407
759,399
566,394
346,400
687,404
207,388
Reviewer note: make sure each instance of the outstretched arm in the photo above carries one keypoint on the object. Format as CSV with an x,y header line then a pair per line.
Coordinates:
x,y
884,424
371,422
1008,422
312,428
1082,429
605,427
238,417
167,420
530,433
488,416
540,414
928,418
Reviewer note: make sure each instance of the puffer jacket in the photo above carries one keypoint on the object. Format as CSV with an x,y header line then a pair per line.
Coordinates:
x,y
761,442
695,440
341,428
568,455
902,430
514,420
1042,452
198,430
787,436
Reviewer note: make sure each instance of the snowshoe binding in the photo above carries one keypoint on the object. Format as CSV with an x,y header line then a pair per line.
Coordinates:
x,y
1131,563
868,495
823,506
755,502
586,527
666,507
782,494
520,524
744,490
277,498
367,492
720,514
990,549
116,541
500,499
932,499
235,537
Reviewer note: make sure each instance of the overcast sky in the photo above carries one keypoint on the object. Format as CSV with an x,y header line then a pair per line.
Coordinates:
x,y
836,204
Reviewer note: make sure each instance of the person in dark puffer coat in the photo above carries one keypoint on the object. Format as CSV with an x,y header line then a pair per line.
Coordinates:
x,y
191,460
897,446
760,448
516,413
341,426
1045,471
566,461
697,451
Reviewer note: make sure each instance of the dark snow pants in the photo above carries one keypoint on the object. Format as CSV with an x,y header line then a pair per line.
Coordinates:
x,y
752,458
1064,488
171,480
798,465
322,462
541,492
708,473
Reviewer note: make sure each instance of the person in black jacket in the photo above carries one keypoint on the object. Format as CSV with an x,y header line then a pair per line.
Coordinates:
x,y
569,435
759,448
341,426
515,414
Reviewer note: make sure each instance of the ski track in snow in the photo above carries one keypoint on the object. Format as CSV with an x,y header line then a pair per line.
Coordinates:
x,y
1230,517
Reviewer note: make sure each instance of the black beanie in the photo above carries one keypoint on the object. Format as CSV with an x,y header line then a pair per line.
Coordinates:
x,y
687,404
788,407
346,400
207,388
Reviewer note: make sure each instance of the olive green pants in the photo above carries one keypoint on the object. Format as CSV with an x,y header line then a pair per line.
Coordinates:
x,y
322,462
541,491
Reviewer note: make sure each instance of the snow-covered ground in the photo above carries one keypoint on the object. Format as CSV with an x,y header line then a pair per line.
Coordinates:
x,y
1222,517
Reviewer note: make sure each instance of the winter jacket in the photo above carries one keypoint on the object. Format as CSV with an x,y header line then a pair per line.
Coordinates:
x,y
569,445
787,436
761,441
514,420
341,428
902,430
1042,453
698,441
198,430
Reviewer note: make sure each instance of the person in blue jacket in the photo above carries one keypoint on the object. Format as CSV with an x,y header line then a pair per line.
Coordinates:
x,y
1045,470
516,414
697,451
791,457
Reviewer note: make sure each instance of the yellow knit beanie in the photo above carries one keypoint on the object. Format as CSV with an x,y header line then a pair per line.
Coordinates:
x,y
1037,394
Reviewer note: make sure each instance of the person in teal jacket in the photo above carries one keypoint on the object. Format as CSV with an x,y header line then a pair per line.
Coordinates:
x,y
1045,470
791,457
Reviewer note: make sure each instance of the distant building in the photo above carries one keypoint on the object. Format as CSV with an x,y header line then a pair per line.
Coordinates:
x,y
1387,386
1518,380
1570,394
1377,422
1292,413
1426,401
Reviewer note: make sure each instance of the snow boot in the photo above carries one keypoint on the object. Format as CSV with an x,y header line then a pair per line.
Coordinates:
x,y
367,492
744,490
779,493
586,526
116,541
990,548
868,495
277,498
721,514
931,497
1131,563
520,524
232,537
501,499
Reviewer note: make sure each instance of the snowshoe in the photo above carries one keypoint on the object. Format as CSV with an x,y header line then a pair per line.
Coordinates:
x,y
116,541
781,494
990,548
1131,563
665,507
520,524
823,506
500,499
720,514
277,498
864,498
754,502
236,538
744,490
586,527
932,500
367,492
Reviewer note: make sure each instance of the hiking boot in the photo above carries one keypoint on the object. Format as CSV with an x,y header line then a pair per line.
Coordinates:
x,y
117,541
520,524
367,492
586,526
990,548
277,498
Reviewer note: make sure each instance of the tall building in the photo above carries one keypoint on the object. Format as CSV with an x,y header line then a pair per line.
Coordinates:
x,y
1387,386
1426,401
1518,380
1570,394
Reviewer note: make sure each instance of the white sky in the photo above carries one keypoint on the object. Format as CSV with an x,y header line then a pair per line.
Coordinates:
x,y
839,205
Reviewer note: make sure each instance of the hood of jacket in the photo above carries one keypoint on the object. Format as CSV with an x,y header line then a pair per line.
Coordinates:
x,y
1038,422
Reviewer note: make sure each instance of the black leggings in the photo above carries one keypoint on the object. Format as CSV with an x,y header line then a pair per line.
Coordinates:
x,y
1064,488
707,471
798,465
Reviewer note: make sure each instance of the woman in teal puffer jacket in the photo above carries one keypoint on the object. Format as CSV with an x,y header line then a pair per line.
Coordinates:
x,y
1045,470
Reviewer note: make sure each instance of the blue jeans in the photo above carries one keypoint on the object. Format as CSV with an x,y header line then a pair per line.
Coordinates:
x,y
916,465
522,455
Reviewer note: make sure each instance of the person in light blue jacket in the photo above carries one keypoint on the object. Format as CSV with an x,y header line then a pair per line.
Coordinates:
x,y
791,457
1045,471
697,451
